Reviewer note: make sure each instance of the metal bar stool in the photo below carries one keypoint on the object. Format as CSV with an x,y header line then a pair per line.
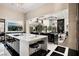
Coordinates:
x,y
35,45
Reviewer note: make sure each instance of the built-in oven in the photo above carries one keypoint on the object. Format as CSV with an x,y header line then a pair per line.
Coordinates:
x,y
13,44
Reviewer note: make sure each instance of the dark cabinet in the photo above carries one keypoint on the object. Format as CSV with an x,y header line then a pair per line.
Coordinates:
x,y
60,25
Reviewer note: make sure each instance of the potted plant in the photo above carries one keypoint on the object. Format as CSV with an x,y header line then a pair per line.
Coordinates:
x,y
49,28
31,28
39,28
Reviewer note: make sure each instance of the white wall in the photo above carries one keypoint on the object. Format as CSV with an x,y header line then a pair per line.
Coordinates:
x,y
9,14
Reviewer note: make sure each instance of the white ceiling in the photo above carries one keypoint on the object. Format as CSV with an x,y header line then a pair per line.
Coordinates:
x,y
23,7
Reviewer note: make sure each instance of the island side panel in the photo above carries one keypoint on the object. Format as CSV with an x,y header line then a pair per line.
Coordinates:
x,y
44,46
24,48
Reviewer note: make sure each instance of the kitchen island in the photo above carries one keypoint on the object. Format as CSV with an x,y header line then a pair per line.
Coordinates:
x,y
25,40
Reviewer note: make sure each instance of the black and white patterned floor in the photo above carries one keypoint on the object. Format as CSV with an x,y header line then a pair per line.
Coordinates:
x,y
57,51
64,52
53,50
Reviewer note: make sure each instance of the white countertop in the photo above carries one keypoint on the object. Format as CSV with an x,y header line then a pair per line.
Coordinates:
x,y
27,37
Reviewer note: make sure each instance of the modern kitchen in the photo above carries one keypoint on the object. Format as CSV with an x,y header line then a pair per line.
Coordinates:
x,y
38,29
